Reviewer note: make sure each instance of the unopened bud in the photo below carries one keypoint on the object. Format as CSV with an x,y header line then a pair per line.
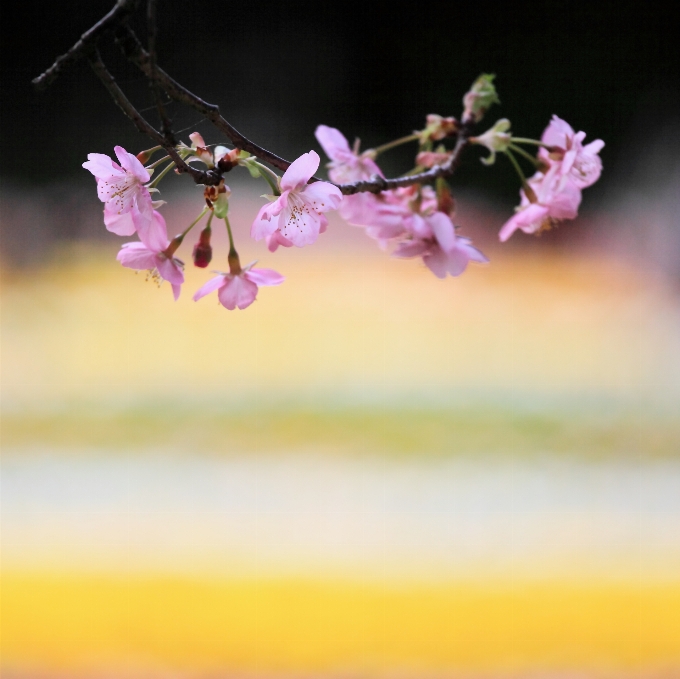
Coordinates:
x,y
429,159
437,128
227,160
202,252
145,156
479,99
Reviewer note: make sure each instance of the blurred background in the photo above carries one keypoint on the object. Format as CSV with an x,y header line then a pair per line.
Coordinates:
x,y
369,472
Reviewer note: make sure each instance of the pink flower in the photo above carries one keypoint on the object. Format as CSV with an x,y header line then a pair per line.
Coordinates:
x,y
239,290
580,163
154,256
555,197
298,212
127,202
347,166
442,251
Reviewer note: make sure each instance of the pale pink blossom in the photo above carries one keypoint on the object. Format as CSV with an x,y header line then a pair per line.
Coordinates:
x,y
297,214
127,202
152,255
555,197
580,163
442,251
239,290
348,165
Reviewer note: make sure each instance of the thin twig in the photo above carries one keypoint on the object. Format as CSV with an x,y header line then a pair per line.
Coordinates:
x,y
121,10
134,51
143,125
166,123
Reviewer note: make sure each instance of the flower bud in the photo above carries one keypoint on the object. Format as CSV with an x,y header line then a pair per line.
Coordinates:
x,y
202,253
437,128
145,156
479,99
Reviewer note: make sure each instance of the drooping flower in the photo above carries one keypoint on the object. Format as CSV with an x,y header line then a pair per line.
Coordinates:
x,y
442,251
239,290
551,197
580,163
127,202
298,212
155,254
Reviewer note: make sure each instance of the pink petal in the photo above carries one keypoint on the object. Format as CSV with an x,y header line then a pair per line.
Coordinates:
x,y
413,248
443,230
529,220
169,270
457,261
333,142
151,228
210,286
264,276
132,165
565,203
176,290
100,165
300,171
275,240
322,196
121,225
237,292
557,133
136,256
263,225
437,261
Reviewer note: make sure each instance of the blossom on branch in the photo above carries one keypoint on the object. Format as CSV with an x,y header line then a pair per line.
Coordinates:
x,y
297,214
581,164
239,290
127,202
547,199
155,254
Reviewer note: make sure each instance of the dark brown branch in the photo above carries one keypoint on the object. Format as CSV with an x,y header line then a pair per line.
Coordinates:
x,y
166,123
377,184
143,125
121,10
134,51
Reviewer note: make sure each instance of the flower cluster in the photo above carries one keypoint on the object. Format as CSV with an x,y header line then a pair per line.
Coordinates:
x,y
414,220
554,192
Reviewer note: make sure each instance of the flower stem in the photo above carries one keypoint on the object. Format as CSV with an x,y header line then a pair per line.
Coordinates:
x,y
232,249
515,164
164,171
198,219
271,178
397,142
157,162
523,140
528,156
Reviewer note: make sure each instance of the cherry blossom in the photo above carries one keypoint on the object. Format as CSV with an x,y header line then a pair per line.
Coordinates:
x,y
441,249
552,197
127,202
155,254
580,163
298,212
239,290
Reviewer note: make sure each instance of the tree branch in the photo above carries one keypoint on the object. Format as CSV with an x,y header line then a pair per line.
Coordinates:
x,y
98,66
121,10
134,51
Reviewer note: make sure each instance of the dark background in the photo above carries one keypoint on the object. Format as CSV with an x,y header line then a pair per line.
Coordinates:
x,y
279,69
